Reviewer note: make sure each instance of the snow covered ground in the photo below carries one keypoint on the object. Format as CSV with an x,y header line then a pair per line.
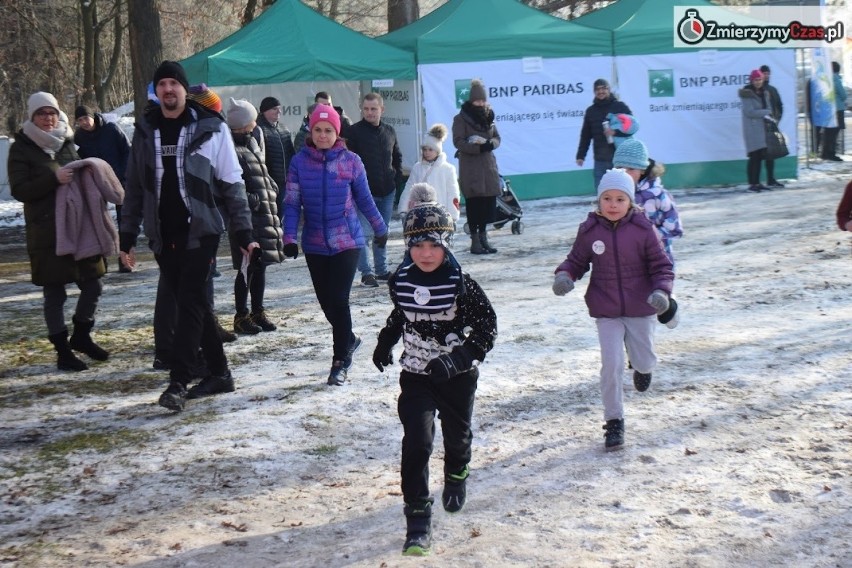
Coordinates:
x,y
739,454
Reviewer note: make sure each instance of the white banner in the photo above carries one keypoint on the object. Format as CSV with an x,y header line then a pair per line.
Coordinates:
x,y
538,103
687,104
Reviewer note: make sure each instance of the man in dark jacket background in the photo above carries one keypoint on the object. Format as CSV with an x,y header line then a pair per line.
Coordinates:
x,y
278,144
593,132
375,142
98,138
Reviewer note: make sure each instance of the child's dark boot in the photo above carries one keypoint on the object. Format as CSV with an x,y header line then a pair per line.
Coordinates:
x,y
614,435
455,490
418,534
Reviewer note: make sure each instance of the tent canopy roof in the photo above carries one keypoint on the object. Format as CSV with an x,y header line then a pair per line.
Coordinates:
x,y
639,26
487,30
290,42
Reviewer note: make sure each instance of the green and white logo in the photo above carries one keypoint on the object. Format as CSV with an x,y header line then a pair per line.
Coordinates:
x,y
462,91
661,82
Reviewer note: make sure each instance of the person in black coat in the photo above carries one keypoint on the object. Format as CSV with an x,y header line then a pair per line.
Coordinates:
x,y
593,132
376,144
261,192
97,138
278,144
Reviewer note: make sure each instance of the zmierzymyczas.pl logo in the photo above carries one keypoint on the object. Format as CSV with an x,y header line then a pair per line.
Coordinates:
x,y
755,27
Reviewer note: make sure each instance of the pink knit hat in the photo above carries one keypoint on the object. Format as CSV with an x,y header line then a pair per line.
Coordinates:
x,y
325,113
756,74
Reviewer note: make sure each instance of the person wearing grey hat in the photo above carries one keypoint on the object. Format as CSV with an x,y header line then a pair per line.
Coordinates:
x,y
178,193
39,167
630,285
266,223
593,132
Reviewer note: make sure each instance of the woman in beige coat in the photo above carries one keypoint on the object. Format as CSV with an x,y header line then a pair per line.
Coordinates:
x,y
475,137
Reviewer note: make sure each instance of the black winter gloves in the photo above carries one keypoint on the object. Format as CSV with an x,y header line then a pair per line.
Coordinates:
x,y
486,147
443,368
291,250
383,355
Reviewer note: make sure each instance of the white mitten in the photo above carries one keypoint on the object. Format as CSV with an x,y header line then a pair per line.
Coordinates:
x,y
659,300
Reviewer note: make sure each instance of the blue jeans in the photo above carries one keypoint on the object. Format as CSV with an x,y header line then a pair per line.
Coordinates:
x,y
380,261
600,169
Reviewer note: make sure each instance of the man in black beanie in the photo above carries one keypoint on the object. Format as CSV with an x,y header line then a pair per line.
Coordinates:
x,y
178,192
278,145
593,132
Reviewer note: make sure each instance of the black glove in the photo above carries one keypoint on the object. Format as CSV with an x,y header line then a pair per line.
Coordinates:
x,y
381,242
291,250
486,147
442,369
383,355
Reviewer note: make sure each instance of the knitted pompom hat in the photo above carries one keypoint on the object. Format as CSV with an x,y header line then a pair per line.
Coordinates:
x,y
756,74
241,113
421,194
203,95
427,222
39,100
477,91
619,180
435,137
631,153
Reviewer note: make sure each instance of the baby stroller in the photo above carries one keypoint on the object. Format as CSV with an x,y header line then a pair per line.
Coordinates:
x,y
508,209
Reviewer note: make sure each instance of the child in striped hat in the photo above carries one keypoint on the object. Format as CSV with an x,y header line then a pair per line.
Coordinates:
x,y
434,302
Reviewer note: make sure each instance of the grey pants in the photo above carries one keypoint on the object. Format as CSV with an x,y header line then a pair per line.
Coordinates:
x,y
54,304
614,333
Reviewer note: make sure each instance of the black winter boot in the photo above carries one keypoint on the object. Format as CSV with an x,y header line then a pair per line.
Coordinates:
x,y
418,534
66,361
483,238
81,340
476,244
212,384
614,435
455,490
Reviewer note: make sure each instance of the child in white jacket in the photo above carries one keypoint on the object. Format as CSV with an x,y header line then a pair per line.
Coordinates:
x,y
434,169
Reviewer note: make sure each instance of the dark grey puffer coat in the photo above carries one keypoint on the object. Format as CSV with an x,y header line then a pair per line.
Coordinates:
x,y
261,192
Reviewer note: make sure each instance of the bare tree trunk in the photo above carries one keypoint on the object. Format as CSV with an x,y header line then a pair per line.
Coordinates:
x,y
402,13
146,48
105,77
88,10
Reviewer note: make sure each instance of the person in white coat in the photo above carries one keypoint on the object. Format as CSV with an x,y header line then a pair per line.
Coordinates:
x,y
434,169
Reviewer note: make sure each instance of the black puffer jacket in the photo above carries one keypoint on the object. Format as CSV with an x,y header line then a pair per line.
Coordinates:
x,y
32,177
261,192
592,130
378,148
279,150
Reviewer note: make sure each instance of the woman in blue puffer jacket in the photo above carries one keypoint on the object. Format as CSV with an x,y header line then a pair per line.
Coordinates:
x,y
328,184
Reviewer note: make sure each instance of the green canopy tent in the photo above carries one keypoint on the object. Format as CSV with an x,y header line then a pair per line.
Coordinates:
x,y
291,52
291,42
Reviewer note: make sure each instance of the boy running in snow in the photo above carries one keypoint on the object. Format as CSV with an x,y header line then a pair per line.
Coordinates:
x,y
434,302
631,282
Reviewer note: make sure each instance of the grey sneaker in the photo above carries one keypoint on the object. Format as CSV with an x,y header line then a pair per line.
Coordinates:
x,y
337,375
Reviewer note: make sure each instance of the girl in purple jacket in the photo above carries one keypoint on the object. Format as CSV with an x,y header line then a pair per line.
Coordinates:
x,y
630,284
327,183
